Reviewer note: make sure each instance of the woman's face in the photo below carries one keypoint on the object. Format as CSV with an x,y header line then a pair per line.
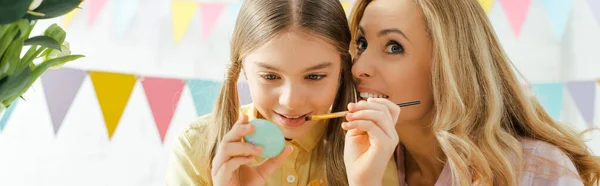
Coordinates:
x,y
294,75
393,57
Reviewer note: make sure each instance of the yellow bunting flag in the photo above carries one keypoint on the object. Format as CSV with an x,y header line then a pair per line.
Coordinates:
x,y
67,19
113,92
182,13
347,7
487,5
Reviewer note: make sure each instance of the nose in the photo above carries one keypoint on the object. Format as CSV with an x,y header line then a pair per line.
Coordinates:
x,y
361,68
292,96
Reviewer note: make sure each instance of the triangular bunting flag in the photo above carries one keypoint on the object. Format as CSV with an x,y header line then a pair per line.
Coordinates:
x,y
125,10
182,12
347,7
60,87
95,7
559,12
595,6
584,95
7,113
210,14
67,19
113,91
516,12
487,5
244,93
163,96
233,10
204,94
550,96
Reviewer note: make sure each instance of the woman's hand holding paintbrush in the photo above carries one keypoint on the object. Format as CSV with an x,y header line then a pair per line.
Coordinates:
x,y
371,139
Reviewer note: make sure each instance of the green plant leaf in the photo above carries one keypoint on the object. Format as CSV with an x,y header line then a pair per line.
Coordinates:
x,y
11,59
23,27
39,69
25,60
43,41
56,32
8,38
13,10
14,84
54,8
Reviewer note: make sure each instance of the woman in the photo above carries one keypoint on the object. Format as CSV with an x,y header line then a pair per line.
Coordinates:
x,y
475,125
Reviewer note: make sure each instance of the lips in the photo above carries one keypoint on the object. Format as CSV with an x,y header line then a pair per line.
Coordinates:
x,y
290,120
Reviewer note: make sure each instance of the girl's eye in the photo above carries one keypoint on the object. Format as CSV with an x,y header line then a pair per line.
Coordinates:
x,y
315,77
270,76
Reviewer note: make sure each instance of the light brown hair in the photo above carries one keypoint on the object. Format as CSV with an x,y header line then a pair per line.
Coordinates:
x,y
258,22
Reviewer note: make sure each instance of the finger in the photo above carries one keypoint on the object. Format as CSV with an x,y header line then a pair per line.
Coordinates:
x,y
267,167
230,166
239,130
364,105
392,107
371,128
227,151
380,119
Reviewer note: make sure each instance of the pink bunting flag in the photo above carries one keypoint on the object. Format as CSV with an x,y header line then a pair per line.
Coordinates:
x,y
210,15
163,96
516,12
95,7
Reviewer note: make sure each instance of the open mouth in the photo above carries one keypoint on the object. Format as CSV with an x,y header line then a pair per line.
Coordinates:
x,y
367,95
292,116
291,120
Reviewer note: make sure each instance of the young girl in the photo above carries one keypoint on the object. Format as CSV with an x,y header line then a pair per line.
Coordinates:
x,y
475,125
294,55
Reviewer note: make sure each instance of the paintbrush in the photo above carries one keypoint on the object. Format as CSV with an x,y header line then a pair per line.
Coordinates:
x,y
343,113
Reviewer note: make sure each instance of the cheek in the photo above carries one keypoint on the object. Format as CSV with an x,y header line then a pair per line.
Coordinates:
x,y
409,80
324,95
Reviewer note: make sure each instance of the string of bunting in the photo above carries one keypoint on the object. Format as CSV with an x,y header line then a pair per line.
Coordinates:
x,y
113,91
211,13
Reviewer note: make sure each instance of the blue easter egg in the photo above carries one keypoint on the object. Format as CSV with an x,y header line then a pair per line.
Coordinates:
x,y
268,136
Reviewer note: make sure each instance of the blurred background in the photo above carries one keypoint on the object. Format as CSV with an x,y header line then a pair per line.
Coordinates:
x,y
153,66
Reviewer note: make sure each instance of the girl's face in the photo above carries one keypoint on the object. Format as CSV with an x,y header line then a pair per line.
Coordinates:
x,y
294,75
393,56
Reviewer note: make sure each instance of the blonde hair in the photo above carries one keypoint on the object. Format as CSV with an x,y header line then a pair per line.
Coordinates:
x,y
258,22
480,108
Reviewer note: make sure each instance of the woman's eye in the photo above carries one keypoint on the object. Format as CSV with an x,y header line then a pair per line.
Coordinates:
x,y
361,44
394,48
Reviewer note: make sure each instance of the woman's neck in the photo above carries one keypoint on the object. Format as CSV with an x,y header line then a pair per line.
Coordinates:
x,y
423,158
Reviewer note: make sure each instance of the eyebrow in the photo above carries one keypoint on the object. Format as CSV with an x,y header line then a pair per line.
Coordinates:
x,y
316,67
385,32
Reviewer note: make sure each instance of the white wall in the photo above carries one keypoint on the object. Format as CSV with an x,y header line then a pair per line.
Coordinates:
x,y
81,153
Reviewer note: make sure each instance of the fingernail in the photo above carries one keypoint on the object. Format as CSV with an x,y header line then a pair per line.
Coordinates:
x,y
257,148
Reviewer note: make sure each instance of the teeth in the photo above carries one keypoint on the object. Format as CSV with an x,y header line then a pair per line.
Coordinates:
x,y
296,117
366,95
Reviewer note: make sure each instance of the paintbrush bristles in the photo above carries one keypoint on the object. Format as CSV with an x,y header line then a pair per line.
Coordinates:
x,y
326,116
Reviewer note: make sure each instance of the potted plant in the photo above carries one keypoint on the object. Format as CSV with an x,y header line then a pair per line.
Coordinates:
x,y
18,50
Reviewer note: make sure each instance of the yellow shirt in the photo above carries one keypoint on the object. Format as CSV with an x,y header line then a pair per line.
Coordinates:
x,y
188,167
